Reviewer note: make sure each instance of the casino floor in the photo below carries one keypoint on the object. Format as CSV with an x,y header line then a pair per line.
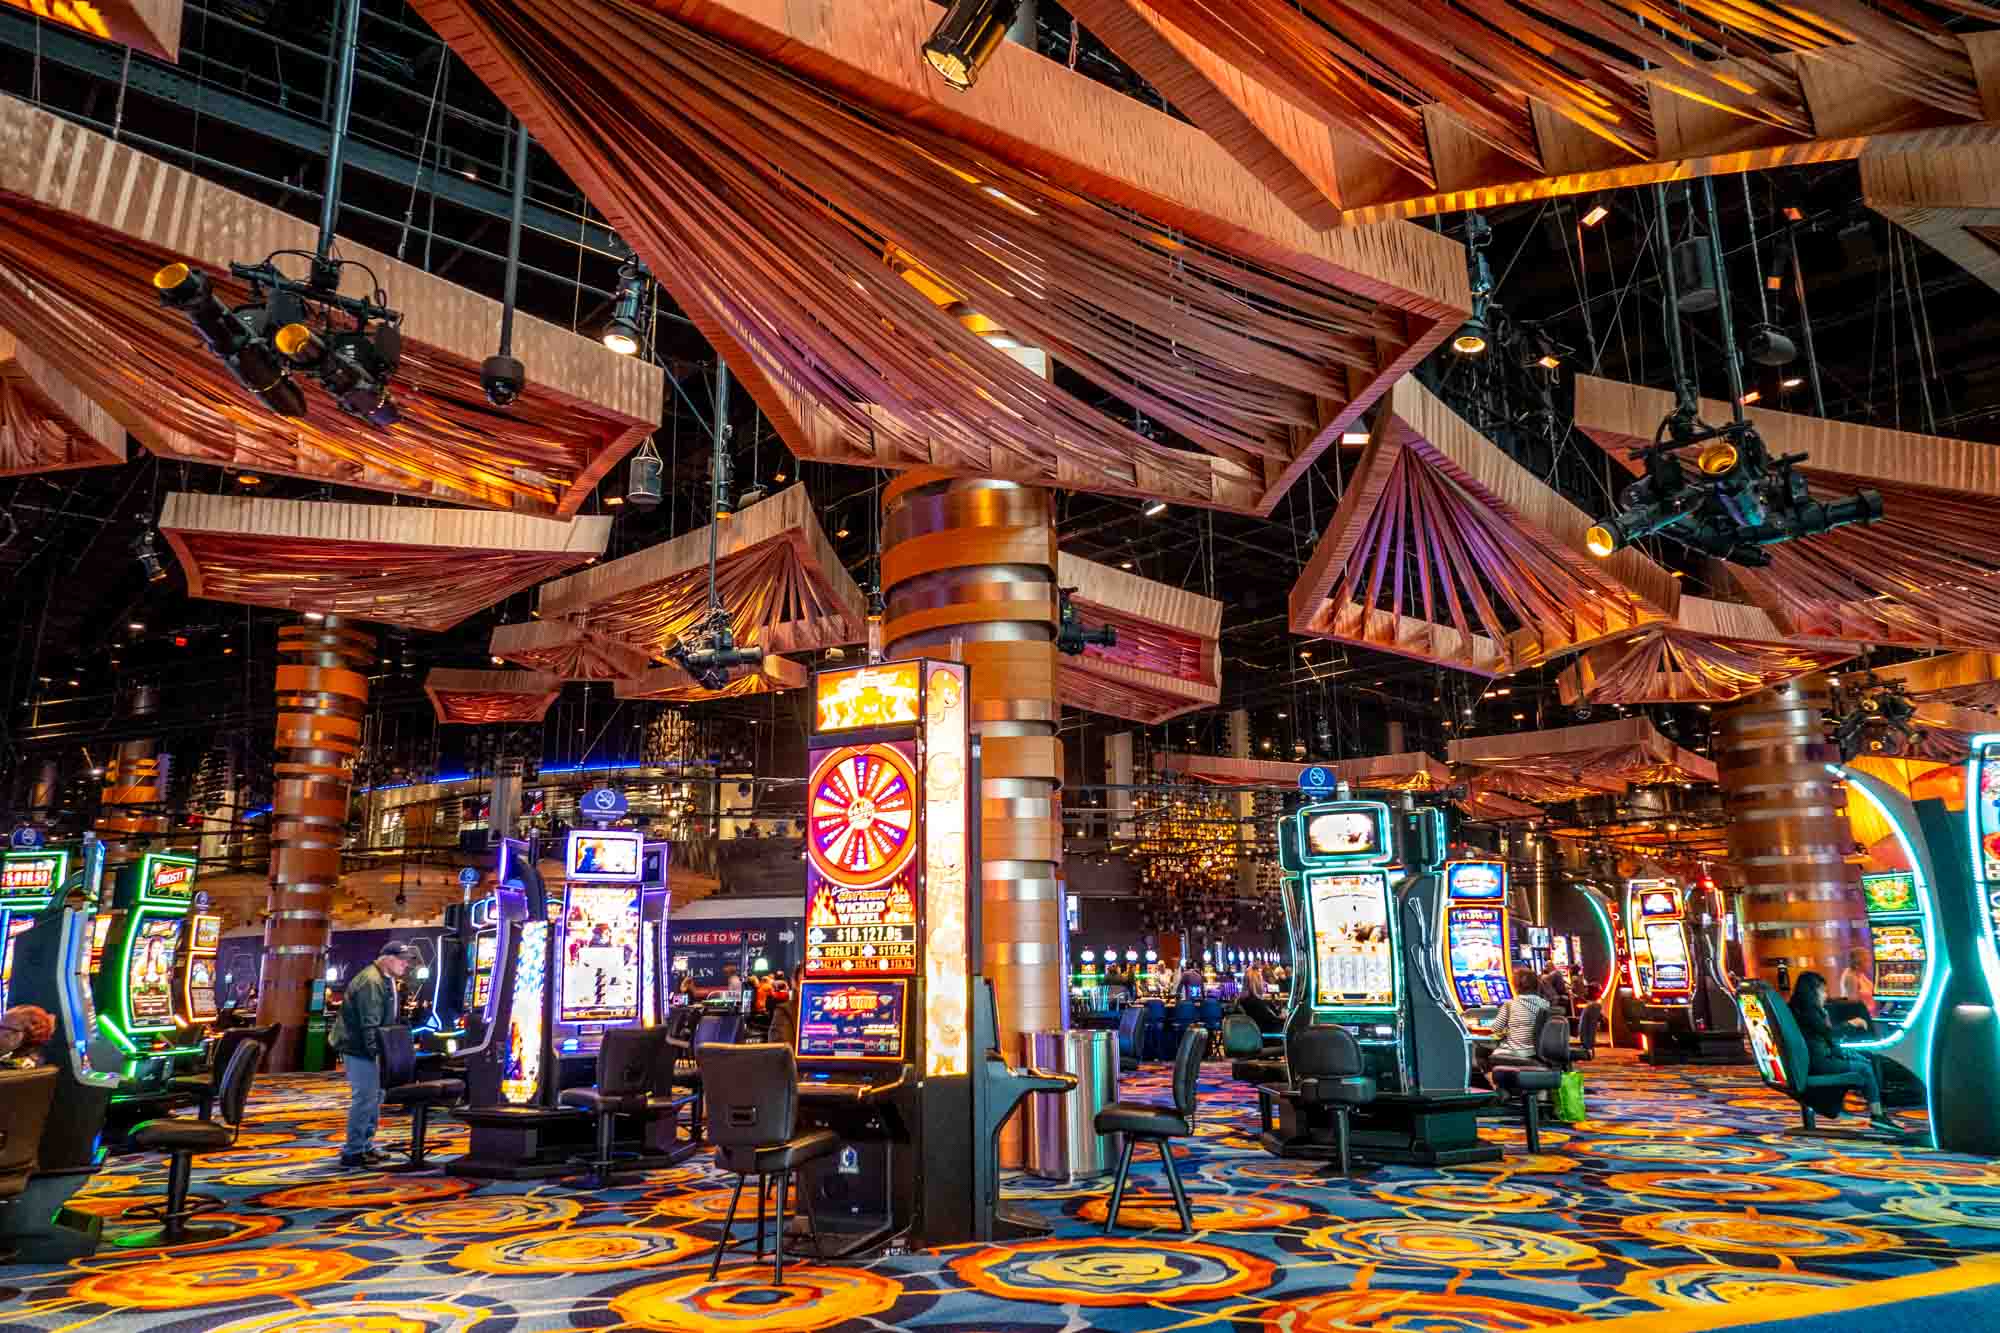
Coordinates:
x,y
1679,1204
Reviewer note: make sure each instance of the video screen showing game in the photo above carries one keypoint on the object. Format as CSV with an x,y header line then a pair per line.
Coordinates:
x,y
485,948
201,988
207,934
610,854
1900,956
100,930
1345,833
600,962
1668,947
149,976
851,1020
1351,953
1895,891
1478,950
1475,879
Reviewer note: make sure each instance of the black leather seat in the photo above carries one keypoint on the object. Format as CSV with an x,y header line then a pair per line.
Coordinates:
x,y
181,1138
401,1087
1131,1038
26,1097
203,1087
1589,1023
1327,1077
1790,1065
1531,1081
753,1122
1158,1123
625,1071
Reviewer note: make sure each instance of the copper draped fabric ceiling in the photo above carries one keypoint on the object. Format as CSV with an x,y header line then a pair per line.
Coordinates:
x,y
1570,763
782,219
1713,652
1167,660
479,698
46,423
1371,68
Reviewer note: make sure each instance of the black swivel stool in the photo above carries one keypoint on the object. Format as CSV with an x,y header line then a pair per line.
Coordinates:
x,y
181,1138
26,1096
1327,1075
1531,1081
402,1087
203,1087
625,1069
753,1119
1158,1123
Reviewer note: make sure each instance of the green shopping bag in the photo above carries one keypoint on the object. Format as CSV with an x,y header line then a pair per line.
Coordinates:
x,y
1569,1097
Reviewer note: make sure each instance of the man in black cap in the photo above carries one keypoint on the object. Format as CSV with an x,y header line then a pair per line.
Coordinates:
x,y
370,1006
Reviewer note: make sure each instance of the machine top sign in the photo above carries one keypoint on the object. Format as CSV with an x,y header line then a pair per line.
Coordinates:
x,y
602,803
1316,780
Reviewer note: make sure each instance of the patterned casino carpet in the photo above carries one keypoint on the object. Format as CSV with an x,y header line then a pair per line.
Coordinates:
x,y
1677,1205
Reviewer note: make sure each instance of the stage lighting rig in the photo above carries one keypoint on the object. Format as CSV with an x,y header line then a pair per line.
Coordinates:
x,y
708,651
146,551
966,38
1071,637
1875,717
1737,501
237,336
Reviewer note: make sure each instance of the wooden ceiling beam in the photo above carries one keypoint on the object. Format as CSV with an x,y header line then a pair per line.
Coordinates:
x,y
151,26
1946,197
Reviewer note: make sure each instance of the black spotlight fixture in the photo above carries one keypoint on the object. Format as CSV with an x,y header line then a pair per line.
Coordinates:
x,y
1769,345
708,651
1476,333
236,336
1071,636
966,38
145,550
625,332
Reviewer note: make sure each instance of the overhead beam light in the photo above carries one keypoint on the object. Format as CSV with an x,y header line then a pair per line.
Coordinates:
x,y
232,336
1596,215
1474,335
625,332
1156,508
966,38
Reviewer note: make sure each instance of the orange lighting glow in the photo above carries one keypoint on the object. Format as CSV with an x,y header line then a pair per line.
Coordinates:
x,y
1596,215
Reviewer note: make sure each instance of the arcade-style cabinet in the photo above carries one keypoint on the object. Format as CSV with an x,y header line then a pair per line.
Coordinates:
x,y
137,1003
1473,938
29,879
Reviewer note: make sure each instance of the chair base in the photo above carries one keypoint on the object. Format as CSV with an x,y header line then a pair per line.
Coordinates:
x,y
157,1210
1173,1172
166,1238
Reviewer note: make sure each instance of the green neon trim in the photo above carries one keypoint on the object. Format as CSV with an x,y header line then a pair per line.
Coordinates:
x,y
117,1035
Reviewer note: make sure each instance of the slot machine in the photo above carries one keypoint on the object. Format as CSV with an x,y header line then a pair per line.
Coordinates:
x,y
1659,961
29,880
600,968
1474,939
137,1003
204,939
655,903
1345,927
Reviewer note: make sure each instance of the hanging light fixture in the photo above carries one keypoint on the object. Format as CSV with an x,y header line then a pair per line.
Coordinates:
x,y
966,38
1475,333
642,477
147,553
625,333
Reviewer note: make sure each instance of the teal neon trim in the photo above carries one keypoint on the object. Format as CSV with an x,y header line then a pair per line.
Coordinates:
x,y
1933,976
1989,942
1610,944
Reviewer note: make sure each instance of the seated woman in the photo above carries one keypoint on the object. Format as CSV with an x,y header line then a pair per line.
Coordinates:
x,y
1514,1026
23,1029
1823,1050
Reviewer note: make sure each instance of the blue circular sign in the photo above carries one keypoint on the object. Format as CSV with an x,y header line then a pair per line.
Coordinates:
x,y
1316,779
602,803
468,877
27,838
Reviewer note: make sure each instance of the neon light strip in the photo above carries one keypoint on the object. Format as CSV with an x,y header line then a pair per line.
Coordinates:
x,y
1611,942
1989,945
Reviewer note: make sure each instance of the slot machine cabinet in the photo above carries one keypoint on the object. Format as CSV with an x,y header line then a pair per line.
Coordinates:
x,y
443,1029
197,979
52,970
1473,938
137,1001
1670,960
599,966
29,880
654,936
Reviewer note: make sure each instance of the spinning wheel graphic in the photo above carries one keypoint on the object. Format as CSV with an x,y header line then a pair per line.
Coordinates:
x,y
862,814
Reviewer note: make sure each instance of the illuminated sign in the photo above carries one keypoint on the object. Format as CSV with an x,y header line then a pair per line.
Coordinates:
x,y
861,813
207,934
1475,879
867,929
852,1020
1894,891
883,695
607,855
32,876
1352,962
166,881
947,808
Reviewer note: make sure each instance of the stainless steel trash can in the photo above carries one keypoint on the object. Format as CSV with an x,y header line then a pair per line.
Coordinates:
x,y
1062,1139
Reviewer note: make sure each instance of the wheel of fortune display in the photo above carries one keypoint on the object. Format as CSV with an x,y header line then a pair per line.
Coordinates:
x,y
863,814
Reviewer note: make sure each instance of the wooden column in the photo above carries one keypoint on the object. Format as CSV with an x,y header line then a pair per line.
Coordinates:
x,y
971,563
1788,832
322,695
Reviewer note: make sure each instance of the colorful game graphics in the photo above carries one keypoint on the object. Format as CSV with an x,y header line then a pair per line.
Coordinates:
x,y
601,964
1353,961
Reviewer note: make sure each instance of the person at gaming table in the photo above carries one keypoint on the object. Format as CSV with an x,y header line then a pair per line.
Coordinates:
x,y
370,1006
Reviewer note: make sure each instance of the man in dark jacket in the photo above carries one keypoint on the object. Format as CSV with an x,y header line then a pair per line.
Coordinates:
x,y
370,1005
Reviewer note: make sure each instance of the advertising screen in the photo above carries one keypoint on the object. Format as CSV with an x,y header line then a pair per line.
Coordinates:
x,y
201,989
1668,947
150,971
851,1020
871,929
485,947
882,695
1895,891
600,962
1476,879
207,934
166,880
603,855
1345,833
1659,902
1899,959
1478,957
1352,963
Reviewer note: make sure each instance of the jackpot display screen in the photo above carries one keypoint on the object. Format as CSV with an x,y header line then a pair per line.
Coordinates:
x,y
600,962
1475,880
605,855
1900,955
1345,833
149,976
1890,892
31,876
1352,959
1667,944
852,1020
1478,949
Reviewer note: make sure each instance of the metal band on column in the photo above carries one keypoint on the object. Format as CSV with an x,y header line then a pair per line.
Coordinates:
x,y
973,561
322,697
1788,831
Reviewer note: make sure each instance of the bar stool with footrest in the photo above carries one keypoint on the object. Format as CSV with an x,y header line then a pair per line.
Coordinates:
x,y
203,1087
1158,1124
181,1137
625,1069
402,1087
1531,1081
26,1096
753,1121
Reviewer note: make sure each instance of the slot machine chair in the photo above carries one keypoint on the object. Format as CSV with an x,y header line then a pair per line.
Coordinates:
x,y
1552,1061
1251,1059
711,1028
205,1087
754,1126
1131,1038
1816,1094
402,1087
181,1137
1328,1079
1002,1088
26,1097
627,1063
1158,1124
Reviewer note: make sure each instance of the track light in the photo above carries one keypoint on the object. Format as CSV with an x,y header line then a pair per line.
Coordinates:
x,y
1156,508
232,336
1475,334
966,38
625,332
1770,345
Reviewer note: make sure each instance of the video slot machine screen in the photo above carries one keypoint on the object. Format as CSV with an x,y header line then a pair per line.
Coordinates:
x,y
600,966
1668,946
150,971
17,925
1559,951
604,856
1478,950
1345,833
1475,880
1900,955
100,930
201,987
852,1020
207,934
485,948
1889,893
1351,950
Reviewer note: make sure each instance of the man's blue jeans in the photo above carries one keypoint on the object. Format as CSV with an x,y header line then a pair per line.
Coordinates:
x,y
364,1107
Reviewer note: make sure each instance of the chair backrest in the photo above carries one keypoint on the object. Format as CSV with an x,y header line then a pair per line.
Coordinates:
x,y
784,1023
718,1029
1552,1043
681,1025
26,1096
1187,1068
1128,1030
1241,1037
1764,1010
626,1061
753,1093
1593,1018
1211,1012
234,1091
398,1059
1323,1050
